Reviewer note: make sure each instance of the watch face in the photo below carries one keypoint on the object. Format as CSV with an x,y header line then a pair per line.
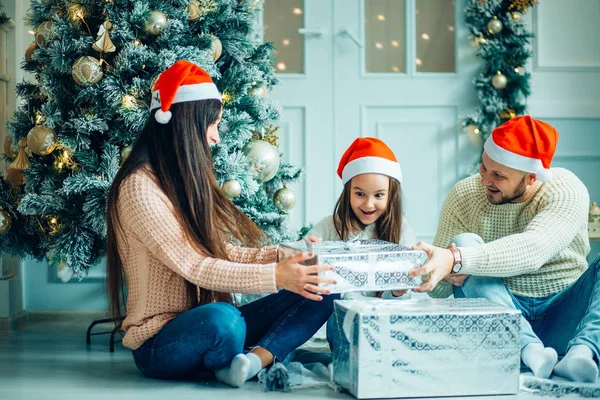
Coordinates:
x,y
456,268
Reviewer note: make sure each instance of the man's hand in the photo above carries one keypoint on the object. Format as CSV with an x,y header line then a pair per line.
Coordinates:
x,y
438,266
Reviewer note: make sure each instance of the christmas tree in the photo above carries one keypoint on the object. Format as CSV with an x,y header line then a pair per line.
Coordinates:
x,y
94,62
502,39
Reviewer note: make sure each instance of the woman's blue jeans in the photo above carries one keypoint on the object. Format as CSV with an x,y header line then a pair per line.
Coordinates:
x,y
206,338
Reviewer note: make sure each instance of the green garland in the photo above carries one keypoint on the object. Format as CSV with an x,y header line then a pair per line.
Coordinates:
x,y
501,37
3,17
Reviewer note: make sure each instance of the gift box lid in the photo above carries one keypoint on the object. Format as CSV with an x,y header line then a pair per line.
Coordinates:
x,y
418,307
356,247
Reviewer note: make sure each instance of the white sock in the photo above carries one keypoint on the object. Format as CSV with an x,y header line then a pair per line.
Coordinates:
x,y
242,368
578,365
540,359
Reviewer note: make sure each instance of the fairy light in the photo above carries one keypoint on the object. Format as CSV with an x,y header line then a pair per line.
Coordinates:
x,y
77,12
128,101
137,42
39,118
381,17
395,43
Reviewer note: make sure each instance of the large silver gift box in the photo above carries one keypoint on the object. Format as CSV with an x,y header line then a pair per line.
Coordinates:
x,y
370,265
425,348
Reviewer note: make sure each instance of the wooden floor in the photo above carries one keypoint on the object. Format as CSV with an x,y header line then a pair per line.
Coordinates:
x,y
50,360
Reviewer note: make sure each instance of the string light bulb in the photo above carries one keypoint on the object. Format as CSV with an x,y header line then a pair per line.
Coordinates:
x,y
128,101
77,12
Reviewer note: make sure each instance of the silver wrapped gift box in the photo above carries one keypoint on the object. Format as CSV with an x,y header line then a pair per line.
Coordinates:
x,y
370,265
425,348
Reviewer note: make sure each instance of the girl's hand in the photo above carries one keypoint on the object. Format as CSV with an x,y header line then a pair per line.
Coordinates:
x,y
399,293
302,279
314,239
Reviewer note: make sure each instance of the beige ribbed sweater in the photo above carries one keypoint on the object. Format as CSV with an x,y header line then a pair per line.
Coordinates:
x,y
158,260
538,247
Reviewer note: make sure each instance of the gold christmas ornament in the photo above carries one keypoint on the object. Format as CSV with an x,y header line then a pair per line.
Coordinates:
x,y
21,162
284,199
103,44
509,113
14,176
40,140
125,152
516,15
268,135
194,9
29,52
232,188
44,33
264,159
156,23
494,26
474,135
87,71
217,48
9,148
499,81
5,221
521,5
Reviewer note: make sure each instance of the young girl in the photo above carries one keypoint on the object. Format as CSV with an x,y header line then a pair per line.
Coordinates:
x,y
370,207
168,223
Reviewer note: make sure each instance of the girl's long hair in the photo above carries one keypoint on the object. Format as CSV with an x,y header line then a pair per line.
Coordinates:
x,y
179,157
387,227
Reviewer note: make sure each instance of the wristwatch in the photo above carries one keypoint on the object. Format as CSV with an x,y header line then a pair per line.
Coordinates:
x,y
457,265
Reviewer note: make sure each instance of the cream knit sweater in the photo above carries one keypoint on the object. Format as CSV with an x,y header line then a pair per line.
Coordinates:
x,y
158,260
538,247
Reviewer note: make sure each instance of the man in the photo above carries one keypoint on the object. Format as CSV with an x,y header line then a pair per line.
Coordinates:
x,y
517,235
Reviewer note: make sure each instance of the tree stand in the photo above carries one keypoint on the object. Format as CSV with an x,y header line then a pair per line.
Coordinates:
x,y
117,329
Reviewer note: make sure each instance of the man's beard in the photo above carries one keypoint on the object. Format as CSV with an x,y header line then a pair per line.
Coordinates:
x,y
518,192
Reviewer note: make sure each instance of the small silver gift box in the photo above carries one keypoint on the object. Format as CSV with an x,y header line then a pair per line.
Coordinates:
x,y
426,348
370,265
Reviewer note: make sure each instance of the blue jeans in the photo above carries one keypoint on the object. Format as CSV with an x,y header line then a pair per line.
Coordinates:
x,y
568,318
206,338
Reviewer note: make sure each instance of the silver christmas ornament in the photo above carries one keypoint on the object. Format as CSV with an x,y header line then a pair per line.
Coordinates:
x,y
5,222
499,81
284,199
264,159
156,23
232,188
494,26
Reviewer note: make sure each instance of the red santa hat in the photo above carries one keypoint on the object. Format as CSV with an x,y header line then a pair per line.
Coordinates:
x,y
525,144
369,155
181,82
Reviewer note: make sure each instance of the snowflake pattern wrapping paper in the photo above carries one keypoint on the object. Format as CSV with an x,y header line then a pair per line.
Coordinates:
x,y
369,265
426,348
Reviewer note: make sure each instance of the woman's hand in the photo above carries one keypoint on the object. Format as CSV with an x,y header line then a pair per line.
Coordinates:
x,y
302,279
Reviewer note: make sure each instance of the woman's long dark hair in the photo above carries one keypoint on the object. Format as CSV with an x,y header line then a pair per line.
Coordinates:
x,y
178,154
387,227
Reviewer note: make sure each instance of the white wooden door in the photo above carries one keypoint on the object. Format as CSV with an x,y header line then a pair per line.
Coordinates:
x,y
402,74
362,78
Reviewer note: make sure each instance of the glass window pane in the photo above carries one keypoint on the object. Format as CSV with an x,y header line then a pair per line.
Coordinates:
x,y
435,35
385,45
282,19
